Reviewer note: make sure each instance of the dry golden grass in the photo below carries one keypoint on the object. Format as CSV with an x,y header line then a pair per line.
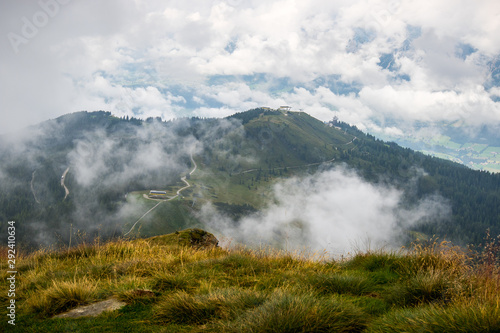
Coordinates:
x,y
433,283
62,295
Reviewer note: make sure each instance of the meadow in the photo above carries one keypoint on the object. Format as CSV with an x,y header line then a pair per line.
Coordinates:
x,y
172,283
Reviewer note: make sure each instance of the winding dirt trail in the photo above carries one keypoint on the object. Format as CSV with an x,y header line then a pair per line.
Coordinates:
x,y
297,166
172,198
352,141
287,167
184,178
189,185
63,178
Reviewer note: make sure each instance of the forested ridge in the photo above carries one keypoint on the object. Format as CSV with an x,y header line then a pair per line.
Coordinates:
x,y
474,195
281,140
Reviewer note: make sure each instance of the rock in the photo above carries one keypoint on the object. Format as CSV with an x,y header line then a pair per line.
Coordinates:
x,y
94,309
197,238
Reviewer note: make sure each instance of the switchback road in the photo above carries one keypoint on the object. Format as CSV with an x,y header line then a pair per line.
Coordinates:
x,y
172,198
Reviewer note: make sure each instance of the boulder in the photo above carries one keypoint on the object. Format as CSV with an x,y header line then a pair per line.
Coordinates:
x,y
194,237
94,309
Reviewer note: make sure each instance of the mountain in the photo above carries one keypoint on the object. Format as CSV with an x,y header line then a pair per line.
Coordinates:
x,y
233,172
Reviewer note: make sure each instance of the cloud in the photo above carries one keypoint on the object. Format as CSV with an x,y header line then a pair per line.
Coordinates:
x,y
473,106
333,210
137,156
142,102
151,58
106,160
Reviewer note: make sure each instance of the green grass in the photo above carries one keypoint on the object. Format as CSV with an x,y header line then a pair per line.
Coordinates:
x,y
182,308
271,143
167,217
353,284
456,318
62,295
169,286
284,312
425,287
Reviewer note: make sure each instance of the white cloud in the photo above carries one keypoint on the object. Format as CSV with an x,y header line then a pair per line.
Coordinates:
x,y
323,212
474,22
144,48
473,106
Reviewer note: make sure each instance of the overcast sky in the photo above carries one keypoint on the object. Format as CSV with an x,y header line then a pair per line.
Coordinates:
x,y
375,64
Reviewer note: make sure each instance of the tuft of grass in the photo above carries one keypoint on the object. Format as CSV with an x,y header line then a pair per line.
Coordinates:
x,y
383,276
242,264
143,296
371,305
166,282
62,296
77,252
425,287
435,256
145,267
285,312
182,308
101,271
118,250
125,288
342,284
461,317
374,261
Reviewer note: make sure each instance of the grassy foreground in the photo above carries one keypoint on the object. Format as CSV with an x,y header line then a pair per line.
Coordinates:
x,y
171,286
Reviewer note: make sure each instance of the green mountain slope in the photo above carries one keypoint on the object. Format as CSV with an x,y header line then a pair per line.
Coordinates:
x,y
239,168
114,163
